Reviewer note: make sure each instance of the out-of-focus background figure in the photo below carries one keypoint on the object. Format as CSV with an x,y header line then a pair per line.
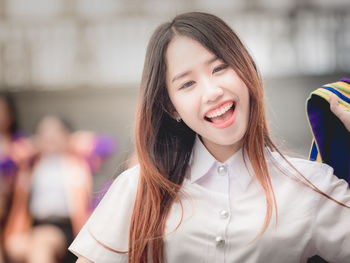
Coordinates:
x,y
15,154
52,200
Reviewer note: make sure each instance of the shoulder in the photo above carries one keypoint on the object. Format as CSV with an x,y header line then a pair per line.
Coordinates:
x,y
320,174
310,168
299,163
127,180
123,188
110,221
130,174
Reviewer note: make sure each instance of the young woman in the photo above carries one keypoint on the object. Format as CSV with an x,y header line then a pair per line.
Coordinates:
x,y
210,185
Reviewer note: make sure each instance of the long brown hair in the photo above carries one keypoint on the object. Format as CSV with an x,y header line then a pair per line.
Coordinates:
x,y
164,145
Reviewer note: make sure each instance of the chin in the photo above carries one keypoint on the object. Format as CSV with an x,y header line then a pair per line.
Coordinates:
x,y
228,142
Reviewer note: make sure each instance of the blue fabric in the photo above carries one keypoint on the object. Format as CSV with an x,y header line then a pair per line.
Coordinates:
x,y
313,152
340,95
330,134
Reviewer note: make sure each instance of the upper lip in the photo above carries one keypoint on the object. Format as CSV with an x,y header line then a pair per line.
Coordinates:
x,y
218,106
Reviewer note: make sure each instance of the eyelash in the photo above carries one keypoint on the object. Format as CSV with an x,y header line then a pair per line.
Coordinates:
x,y
215,70
219,68
187,84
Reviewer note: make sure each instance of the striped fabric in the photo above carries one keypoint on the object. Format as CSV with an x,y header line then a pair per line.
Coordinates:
x,y
331,143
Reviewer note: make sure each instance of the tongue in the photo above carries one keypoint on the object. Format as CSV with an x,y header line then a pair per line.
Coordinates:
x,y
222,118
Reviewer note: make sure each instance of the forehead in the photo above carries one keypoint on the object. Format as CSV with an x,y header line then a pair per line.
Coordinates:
x,y
183,53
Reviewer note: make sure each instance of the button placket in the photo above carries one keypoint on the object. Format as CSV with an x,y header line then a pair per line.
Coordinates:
x,y
223,211
220,239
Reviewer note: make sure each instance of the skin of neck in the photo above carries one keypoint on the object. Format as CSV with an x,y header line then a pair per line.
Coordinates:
x,y
221,152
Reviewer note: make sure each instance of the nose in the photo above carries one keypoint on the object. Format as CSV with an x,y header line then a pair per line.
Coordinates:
x,y
212,91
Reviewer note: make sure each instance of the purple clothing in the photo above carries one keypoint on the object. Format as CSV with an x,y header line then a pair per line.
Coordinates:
x,y
332,139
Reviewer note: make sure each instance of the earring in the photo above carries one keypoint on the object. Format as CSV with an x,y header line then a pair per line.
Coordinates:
x,y
178,119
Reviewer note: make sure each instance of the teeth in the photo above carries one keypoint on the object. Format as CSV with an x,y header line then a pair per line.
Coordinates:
x,y
220,111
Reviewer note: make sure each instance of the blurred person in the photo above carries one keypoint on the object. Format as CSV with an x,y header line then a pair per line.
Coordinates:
x,y
51,202
211,186
15,154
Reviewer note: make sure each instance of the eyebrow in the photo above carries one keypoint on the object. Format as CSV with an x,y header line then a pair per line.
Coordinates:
x,y
184,74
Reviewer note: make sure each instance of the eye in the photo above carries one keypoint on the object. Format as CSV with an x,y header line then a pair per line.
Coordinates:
x,y
187,84
219,68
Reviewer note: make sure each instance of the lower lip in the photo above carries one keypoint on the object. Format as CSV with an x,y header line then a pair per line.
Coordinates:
x,y
227,123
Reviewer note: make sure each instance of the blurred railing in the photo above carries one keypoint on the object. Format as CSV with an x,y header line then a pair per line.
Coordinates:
x,y
56,44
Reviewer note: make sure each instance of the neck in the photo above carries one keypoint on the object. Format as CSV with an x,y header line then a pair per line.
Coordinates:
x,y
222,152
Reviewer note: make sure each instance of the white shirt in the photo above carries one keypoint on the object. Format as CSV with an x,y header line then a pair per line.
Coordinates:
x,y
225,212
48,196
53,179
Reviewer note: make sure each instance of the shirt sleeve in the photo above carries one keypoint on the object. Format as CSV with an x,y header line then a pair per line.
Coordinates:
x,y
331,226
107,229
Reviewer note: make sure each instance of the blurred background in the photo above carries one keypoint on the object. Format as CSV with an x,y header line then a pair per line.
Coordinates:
x,y
81,60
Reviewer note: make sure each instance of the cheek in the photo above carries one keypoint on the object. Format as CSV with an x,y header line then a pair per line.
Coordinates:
x,y
244,93
185,104
245,103
183,109
174,102
247,108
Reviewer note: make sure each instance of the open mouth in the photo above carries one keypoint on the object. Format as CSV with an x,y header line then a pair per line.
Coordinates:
x,y
222,114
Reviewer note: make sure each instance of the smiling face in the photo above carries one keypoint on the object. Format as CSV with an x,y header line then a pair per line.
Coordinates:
x,y
208,95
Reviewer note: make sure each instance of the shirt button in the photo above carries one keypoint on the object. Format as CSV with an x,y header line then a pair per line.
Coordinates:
x,y
224,214
222,170
220,242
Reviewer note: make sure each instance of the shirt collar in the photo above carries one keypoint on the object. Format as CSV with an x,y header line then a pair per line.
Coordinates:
x,y
202,161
